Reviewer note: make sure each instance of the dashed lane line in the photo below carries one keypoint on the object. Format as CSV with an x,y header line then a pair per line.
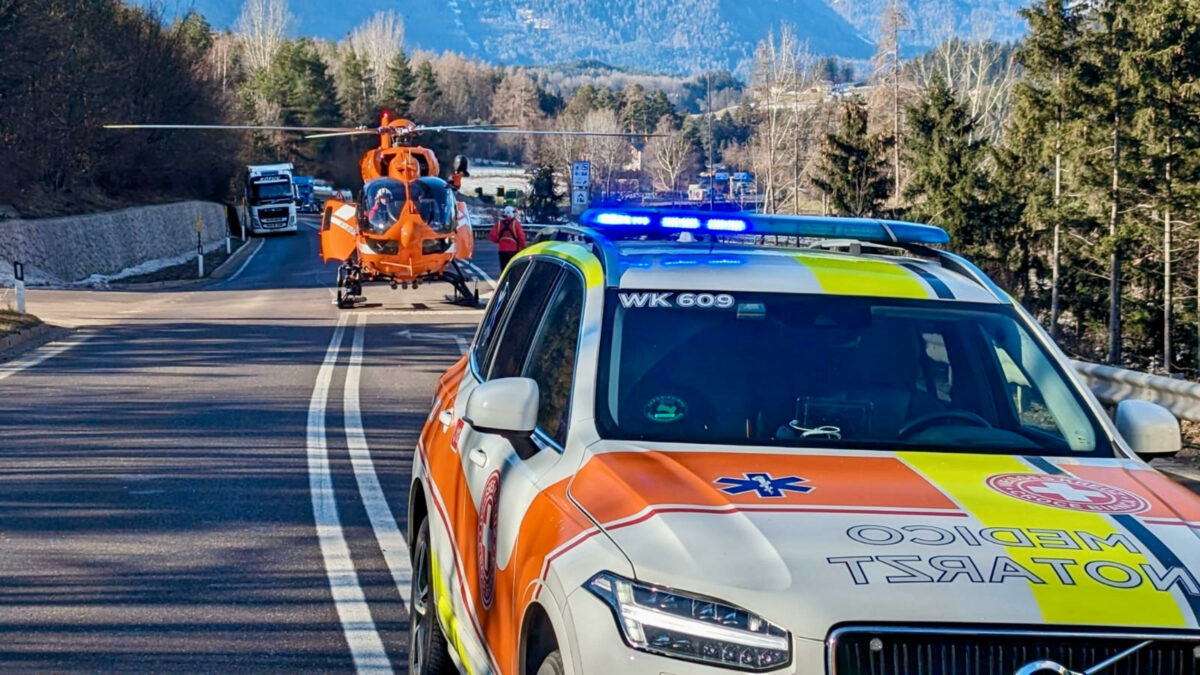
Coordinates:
x,y
366,647
42,353
387,532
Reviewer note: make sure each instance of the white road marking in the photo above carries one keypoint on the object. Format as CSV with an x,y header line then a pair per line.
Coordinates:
x,y
462,342
42,353
387,532
246,262
484,275
422,312
366,647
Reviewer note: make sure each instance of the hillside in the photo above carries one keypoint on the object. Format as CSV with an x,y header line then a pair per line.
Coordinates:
x,y
932,20
681,36
659,35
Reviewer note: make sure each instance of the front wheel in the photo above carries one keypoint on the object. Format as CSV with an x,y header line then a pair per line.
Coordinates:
x,y
427,653
552,664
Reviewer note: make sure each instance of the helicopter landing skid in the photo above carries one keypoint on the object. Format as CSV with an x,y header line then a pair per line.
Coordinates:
x,y
463,295
349,286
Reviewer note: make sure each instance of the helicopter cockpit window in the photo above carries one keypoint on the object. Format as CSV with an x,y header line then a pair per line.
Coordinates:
x,y
383,200
435,201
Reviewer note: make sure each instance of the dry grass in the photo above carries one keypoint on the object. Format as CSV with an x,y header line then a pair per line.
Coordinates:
x,y
11,322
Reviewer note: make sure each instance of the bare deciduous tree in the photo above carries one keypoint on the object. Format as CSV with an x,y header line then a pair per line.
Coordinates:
x,y
376,41
262,27
983,71
786,106
670,154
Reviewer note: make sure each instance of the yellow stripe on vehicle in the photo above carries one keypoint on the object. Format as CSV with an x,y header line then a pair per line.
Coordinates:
x,y
445,611
1080,599
841,275
589,264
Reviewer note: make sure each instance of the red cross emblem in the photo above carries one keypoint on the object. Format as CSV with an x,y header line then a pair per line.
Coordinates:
x,y
1067,492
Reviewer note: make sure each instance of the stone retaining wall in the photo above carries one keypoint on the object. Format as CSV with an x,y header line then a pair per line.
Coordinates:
x,y
74,248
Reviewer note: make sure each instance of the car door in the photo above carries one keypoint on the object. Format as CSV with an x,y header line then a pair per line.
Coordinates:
x,y
490,465
501,481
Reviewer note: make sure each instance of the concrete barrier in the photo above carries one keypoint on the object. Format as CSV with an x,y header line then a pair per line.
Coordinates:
x,y
74,248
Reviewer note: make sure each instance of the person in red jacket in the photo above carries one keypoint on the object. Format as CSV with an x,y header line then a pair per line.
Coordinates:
x,y
508,234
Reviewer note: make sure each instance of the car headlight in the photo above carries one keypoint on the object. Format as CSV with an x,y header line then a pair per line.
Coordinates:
x,y
683,626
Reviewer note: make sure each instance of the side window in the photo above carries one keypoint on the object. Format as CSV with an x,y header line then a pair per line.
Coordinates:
x,y
501,300
508,353
552,359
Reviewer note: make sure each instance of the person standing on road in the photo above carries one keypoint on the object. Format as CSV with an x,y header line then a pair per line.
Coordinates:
x,y
508,234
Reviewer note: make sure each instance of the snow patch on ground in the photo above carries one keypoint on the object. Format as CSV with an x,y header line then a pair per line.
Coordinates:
x,y
147,267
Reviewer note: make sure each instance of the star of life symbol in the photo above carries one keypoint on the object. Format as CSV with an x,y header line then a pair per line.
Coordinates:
x,y
764,485
1067,492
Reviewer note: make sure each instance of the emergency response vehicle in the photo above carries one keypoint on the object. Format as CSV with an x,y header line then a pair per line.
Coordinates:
x,y
670,450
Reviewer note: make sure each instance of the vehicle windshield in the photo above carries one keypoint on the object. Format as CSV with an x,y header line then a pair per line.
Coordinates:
x,y
839,372
383,200
436,203
275,190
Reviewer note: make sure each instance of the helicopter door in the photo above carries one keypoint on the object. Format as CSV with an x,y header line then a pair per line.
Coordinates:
x,y
339,231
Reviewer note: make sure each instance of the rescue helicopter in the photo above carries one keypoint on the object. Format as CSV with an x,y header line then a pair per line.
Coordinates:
x,y
408,225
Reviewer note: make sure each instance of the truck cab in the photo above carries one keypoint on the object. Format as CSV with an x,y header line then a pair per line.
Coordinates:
x,y
270,204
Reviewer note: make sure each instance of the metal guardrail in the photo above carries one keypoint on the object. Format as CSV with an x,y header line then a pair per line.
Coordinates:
x,y
1113,385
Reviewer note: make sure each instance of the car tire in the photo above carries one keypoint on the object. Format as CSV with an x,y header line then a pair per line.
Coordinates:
x,y
552,664
427,651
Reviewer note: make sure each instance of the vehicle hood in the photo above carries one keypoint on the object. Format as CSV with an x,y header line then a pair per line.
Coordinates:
x,y
811,540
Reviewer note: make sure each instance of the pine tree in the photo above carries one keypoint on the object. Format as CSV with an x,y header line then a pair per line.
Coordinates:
x,y
427,103
355,90
400,86
946,183
853,171
1166,86
1043,101
1105,107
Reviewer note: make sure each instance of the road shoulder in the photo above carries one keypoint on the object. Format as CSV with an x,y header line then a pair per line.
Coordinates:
x,y
29,336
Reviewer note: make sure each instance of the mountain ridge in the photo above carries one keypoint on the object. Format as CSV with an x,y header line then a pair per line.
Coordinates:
x,y
678,36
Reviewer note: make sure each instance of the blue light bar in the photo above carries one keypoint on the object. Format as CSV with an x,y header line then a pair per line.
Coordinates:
x,y
617,218
649,221
680,222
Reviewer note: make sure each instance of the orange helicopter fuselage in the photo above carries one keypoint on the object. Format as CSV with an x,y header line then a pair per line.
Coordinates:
x,y
399,253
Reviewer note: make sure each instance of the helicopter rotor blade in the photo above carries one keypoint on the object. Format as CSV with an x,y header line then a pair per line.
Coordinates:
x,y
547,132
336,134
229,127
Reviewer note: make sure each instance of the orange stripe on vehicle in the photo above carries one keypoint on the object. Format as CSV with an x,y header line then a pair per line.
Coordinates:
x,y
1167,498
684,478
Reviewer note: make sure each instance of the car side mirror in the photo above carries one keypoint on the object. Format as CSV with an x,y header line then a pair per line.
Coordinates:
x,y
506,407
1150,429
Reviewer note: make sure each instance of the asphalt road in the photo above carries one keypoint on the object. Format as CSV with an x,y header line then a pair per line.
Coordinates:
x,y
185,478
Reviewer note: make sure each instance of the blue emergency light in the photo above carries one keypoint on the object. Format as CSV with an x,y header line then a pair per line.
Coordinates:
x,y
660,222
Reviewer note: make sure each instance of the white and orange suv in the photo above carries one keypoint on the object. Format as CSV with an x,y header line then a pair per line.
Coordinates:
x,y
672,449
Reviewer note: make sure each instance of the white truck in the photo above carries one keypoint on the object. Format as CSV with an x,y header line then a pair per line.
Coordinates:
x,y
269,204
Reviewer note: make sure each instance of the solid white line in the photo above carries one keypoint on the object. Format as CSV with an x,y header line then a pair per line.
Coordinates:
x,y
479,270
42,353
246,262
387,532
366,647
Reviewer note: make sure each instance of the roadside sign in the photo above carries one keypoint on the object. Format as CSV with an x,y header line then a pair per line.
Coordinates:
x,y
581,175
579,200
